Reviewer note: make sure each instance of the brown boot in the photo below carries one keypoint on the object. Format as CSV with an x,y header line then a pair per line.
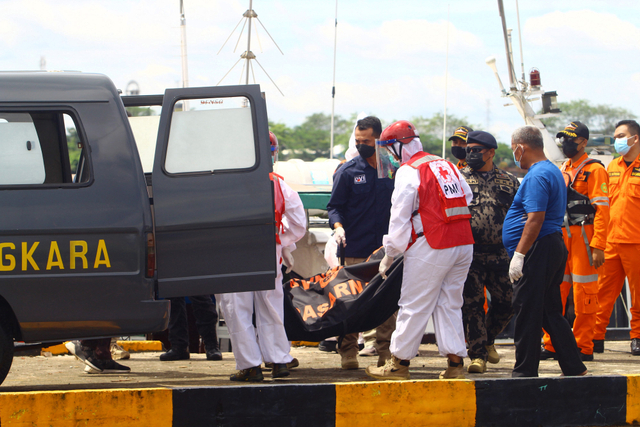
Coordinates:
x,y
383,356
492,354
349,362
454,371
392,370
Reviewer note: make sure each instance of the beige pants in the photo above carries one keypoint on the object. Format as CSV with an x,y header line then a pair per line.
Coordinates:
x,y
349,347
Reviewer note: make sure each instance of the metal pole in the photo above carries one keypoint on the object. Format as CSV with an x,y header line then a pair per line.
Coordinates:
x,y
333,89
512,84
249,38
520,40
183,48
446,81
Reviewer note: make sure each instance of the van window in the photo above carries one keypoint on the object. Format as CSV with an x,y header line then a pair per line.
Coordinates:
x,y
41,148
145,132
211,135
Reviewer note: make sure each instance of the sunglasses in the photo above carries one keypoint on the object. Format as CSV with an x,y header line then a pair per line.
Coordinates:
x,y
475,149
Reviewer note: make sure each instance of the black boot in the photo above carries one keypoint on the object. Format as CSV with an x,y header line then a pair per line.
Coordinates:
x,y
248,375
598,346
279,370
213,353
211,346
175,354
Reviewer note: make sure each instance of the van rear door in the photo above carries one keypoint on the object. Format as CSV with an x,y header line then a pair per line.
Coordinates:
x,y
214,215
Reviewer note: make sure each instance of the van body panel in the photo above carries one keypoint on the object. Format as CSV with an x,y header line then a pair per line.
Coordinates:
x,y
73,248
215,229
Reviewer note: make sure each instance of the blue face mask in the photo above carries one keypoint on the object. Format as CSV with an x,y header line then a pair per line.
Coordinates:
x,y
621,146
517,162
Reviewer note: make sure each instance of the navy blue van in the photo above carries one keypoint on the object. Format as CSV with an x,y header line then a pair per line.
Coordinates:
x,y
89,245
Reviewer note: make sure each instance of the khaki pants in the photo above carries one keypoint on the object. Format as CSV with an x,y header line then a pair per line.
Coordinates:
x,y
349,346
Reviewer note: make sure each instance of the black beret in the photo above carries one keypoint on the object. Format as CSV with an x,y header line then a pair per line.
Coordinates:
x,y
482,137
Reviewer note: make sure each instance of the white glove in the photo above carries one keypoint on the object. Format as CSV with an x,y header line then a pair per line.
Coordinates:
x,y
515,267
339,236
384,265
287,259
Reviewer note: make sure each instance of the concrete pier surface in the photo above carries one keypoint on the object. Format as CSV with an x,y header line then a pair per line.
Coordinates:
x,y
54,391
33,373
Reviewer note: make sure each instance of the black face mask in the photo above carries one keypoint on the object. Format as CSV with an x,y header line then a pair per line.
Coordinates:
x,y
569,148
475,161
365,151
459,152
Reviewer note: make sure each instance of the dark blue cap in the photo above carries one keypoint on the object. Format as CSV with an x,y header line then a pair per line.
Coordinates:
x,y
482,137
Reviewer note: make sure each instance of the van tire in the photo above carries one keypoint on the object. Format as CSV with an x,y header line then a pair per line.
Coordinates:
x,y
6,352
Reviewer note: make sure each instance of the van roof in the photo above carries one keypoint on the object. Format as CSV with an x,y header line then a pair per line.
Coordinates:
x,y
39,86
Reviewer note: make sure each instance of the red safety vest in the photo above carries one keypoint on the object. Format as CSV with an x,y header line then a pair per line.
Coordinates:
x,y
278,203
443,207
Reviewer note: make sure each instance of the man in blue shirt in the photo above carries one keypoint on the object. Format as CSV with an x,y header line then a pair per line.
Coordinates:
x,y
532,235
359,212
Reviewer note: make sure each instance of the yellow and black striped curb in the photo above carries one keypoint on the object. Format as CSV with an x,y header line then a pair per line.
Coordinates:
x,y
584,401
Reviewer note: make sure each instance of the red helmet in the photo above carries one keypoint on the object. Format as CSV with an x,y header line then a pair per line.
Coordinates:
x,y
273,139
400,131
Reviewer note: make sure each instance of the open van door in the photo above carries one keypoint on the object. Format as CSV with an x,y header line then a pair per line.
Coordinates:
x,y
214,214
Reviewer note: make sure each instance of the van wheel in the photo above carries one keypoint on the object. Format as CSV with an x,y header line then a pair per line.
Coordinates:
x,y
6,353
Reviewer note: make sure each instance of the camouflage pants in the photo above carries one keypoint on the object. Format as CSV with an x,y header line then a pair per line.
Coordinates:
x,y
490,270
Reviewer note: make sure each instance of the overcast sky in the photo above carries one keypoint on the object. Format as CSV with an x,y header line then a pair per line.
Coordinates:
x,y
391,54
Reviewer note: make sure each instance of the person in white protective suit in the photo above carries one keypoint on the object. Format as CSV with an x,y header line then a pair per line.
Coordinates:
x,y
430,225
271,344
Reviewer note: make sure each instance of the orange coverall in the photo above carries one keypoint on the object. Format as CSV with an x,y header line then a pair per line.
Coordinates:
x,y
592,181
622,255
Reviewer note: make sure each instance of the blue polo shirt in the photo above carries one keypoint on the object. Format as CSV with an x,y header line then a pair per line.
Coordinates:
x,y
542,189
361,202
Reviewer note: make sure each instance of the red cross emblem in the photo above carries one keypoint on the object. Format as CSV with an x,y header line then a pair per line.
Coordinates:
x,y
444,173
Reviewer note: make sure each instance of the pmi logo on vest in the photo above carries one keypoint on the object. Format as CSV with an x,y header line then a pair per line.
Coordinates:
x,y
447,178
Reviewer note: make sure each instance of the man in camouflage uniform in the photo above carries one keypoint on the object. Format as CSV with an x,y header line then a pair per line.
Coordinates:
x,y
493,192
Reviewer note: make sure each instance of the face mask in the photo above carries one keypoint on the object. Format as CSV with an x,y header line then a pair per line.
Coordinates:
x,y
365,151
621,145
458,152
517,162
475,160
569,148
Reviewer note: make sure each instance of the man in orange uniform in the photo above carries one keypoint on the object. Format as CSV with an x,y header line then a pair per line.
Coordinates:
x,y
585,235
622,254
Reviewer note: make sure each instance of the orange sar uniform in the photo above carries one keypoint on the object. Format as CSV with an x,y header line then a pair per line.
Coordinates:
x,y
590,180
461,164
622,255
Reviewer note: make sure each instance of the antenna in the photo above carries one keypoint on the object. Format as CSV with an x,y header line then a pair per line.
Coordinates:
x,y
333,89
524,81
446,81
183,49
248,55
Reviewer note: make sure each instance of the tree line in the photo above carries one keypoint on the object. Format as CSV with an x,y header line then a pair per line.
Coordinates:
x,y
311,139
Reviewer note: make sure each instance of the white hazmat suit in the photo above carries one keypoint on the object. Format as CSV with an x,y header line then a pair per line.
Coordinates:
x,y
433,279
271,344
